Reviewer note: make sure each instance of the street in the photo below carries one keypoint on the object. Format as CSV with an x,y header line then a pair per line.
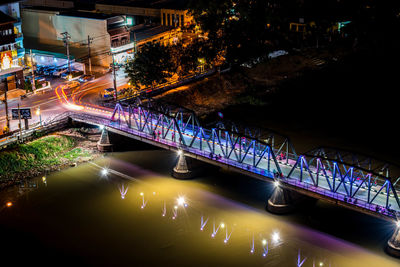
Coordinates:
x,y
54,102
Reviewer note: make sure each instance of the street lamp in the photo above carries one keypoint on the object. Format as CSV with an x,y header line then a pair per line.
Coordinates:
x,y
39,114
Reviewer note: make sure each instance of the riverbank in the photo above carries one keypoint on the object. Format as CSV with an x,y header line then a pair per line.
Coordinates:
x,y
46,154
348,102
253,86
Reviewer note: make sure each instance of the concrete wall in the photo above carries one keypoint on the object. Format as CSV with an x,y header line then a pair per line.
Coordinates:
x,y
42,30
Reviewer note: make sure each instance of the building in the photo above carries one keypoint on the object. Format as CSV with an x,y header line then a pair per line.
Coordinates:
x,y
105,33
176,18
11,46
155,34
172,13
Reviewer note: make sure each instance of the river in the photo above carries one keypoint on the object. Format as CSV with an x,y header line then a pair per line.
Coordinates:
x,y
138,215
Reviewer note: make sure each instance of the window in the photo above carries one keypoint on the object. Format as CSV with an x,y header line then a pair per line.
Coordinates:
x,y
182,21
168,21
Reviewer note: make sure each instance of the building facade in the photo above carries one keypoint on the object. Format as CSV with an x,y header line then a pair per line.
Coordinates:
x,y
11,46
106,34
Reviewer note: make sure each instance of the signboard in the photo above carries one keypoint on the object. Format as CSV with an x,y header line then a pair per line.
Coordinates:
x,y
25,113
5,60
129,21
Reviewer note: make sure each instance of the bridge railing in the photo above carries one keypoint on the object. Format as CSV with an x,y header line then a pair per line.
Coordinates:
x,y
381,209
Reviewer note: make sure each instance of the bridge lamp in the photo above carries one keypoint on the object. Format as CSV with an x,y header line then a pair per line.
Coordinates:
x,y
104,172
276,183
101,127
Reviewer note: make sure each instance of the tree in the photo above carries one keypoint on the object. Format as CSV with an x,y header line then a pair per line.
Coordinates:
x,y
189,57
151,65
239,29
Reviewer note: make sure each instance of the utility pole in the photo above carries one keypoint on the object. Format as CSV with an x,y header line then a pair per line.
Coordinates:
x,y
89,41
33,73
134,40
6,105
115,79
66,38
19,124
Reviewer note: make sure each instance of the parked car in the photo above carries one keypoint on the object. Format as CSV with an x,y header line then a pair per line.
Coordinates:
x,y
108,93
58,72
40,70
64,75
86,78
49,71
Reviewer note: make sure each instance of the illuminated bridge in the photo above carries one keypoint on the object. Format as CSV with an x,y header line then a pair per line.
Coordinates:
x,y
340,177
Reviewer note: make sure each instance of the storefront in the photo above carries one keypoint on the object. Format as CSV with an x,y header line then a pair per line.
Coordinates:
x,y
123,53
51,59
11,73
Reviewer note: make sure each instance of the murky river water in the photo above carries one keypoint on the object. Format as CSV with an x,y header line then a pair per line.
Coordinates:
x,y
133,217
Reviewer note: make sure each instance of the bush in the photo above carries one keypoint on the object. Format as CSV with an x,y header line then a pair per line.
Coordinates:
x,y
36,154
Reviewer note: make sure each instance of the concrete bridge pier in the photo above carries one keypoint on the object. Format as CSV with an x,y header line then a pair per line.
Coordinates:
x,y
393,244
281,200
104,145
182,169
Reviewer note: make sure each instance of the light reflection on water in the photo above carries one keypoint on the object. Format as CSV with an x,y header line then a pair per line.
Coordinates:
x,y
115,219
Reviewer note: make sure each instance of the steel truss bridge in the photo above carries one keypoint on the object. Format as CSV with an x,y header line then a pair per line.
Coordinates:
x,y
349,180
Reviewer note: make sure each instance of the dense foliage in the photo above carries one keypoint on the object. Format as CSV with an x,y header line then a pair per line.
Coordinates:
x,y
36,154
151,65
155,63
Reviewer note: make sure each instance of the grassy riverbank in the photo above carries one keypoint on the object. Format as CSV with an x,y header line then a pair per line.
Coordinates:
x,y
44,151
44,154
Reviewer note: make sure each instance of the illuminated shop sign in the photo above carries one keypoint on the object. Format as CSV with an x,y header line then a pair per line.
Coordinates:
x,y
6,60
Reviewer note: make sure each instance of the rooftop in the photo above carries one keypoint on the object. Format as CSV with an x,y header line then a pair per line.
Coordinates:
x,y
145,32
88,15
156,4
